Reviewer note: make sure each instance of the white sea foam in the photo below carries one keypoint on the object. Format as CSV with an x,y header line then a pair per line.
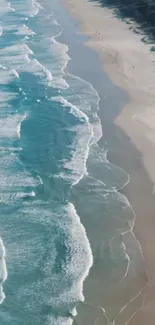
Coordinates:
x,y
80,146
73,109
20,123
31,194
10,126
15,57
10,7
36,7
14,195
2,67
85,135
28,50
53,69
81,264
24,30
15,73
27,59
85,91
1,30
5,97
40,180
3,270
80,153
55,22
42,71
113,176
28,8
97,128
14,178
60,60
75,267
16,182
52,19
10,149
37,4
49,16
34,12
17,49
6,76
89,103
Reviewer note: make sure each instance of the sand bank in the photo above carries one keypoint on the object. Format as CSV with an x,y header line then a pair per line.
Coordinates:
x,y
129,63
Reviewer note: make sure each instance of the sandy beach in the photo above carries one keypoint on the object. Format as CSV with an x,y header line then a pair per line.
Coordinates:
x,y
130,65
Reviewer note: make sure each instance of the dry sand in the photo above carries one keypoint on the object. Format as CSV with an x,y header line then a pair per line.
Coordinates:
x,y
129,63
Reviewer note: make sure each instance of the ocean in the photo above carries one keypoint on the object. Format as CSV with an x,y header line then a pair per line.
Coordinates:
x,y
59,199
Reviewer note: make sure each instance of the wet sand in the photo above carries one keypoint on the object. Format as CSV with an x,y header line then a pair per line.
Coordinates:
x,y
131,142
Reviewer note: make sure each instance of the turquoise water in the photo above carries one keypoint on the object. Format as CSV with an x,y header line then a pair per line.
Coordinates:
x,y
58,196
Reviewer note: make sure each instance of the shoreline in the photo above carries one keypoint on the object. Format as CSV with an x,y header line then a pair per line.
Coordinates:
x,y
118,67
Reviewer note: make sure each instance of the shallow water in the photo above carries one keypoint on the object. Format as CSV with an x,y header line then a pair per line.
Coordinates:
x,y
59,202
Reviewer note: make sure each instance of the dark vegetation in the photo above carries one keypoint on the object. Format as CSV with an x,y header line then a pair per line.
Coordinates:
x,y
140,11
